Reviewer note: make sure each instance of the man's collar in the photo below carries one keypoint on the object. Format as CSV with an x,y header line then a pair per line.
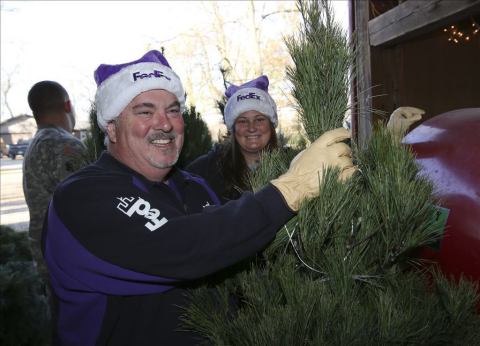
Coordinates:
x,y
107,161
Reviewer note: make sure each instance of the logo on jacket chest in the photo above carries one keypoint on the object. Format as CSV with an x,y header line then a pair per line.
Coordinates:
x,y
136,205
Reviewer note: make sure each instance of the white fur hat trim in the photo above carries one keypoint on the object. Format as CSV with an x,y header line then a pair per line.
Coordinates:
x,y
118,90
249,99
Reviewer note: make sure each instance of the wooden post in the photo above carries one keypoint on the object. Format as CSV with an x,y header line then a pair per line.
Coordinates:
x,y
414,17
363,74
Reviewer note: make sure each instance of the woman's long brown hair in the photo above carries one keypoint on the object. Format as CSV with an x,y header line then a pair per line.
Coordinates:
x,y
234,167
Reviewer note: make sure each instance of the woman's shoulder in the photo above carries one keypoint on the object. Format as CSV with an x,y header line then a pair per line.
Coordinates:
x,y
203,162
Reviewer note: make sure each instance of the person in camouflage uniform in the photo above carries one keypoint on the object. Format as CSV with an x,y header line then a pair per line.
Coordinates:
x,y
52,155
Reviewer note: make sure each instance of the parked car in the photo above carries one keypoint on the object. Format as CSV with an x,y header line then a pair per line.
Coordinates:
x,y
18,149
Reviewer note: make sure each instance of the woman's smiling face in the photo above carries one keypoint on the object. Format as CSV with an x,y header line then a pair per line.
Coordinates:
x,y
252,131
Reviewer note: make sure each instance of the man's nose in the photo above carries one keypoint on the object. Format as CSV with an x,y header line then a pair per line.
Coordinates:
x,y
162,121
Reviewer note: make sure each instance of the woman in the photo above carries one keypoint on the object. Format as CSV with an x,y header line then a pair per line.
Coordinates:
x,y
251,118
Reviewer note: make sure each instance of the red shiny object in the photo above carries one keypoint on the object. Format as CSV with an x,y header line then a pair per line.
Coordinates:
x,y
448,150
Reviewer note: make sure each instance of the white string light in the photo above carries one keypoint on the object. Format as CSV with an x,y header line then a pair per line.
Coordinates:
x,y
457,34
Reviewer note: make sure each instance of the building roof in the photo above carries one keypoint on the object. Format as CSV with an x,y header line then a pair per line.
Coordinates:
x,y
16,119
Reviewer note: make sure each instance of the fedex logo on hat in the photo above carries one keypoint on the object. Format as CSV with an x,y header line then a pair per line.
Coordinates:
x,y
155,74
251,95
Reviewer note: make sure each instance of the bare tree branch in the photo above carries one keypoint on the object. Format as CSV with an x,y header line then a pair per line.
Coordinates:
x,y
264,16
6,88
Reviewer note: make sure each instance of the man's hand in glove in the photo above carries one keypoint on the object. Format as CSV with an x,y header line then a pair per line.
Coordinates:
x,y
303,178
402,118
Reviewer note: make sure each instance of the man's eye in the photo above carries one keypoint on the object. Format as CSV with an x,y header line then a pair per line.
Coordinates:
x,y
173,111
145,113
259,120
241,122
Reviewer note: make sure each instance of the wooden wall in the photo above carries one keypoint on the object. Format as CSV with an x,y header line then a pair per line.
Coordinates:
x,y
426,72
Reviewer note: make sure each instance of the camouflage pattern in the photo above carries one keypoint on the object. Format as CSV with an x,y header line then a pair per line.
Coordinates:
x,y
52,155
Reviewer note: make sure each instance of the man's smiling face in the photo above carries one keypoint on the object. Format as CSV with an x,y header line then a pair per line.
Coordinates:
x,y
148,134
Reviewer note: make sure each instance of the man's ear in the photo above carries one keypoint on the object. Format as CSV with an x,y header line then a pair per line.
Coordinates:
x,y
112,131
67,106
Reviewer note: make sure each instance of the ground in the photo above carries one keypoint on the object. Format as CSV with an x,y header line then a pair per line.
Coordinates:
x,y
13,209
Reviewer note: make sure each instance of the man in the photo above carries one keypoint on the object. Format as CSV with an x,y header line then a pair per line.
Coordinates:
x,y
126,235
53,154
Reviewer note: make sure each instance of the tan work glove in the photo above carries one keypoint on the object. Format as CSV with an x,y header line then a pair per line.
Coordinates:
x,y
303,178
402,118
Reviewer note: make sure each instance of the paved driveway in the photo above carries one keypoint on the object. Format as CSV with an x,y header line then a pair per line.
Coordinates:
x,y
13,209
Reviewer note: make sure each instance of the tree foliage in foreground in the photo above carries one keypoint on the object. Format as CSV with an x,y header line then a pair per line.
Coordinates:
x,y
344,271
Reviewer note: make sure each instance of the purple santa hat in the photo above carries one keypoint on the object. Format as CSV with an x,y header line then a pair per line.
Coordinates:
x,y
251,96
118,85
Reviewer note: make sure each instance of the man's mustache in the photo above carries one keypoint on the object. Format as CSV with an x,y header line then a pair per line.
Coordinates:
x,y
161,135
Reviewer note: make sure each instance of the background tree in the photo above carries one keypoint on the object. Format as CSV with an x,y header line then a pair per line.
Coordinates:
x,y
343,271
241,39
7,84
197,138
95,140
23,304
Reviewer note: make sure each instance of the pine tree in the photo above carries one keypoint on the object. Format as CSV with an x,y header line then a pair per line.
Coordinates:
x,y
24,310
344,271
197,138
95,141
